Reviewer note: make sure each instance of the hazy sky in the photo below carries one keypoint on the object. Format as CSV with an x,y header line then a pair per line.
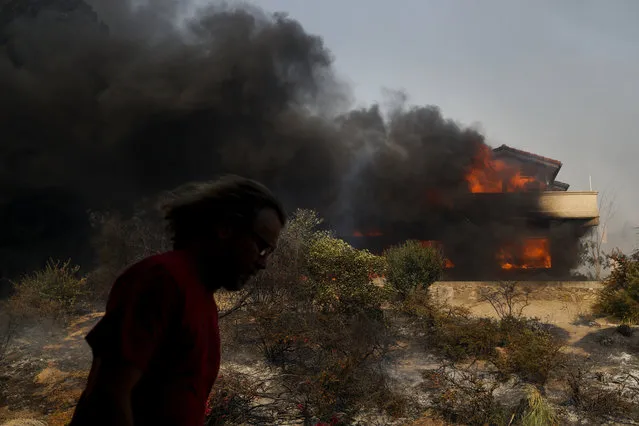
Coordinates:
x,y
558,78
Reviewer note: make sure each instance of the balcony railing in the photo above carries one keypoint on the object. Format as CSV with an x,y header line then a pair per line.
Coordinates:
x,y
570,205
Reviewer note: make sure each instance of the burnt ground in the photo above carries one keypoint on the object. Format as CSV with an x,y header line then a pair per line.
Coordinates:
x,y
43,372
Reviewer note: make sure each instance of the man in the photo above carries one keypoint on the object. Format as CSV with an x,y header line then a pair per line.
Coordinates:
x,y
156,351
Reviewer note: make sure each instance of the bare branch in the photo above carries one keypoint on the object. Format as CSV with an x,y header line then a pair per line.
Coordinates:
x,y
239,304
507,300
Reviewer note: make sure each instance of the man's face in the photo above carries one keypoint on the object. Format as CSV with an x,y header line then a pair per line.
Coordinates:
x,y
249,249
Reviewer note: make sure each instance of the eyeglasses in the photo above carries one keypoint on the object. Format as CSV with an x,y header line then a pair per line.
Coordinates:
x,y
264,247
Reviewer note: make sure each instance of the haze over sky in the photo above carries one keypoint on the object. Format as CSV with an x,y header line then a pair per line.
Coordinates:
x,y
558,78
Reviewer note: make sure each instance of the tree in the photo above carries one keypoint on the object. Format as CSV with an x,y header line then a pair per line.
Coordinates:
x,y
593,255
620,295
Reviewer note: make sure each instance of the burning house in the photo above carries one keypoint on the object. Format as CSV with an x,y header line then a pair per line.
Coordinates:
x,y
245,92
514,221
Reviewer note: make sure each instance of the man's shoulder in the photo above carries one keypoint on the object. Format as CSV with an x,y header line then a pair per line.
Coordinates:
x,y
157,263
151,277
173,266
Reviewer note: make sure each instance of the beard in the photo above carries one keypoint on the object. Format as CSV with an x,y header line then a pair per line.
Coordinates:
x,y
236,284
220,273
214,273
221,267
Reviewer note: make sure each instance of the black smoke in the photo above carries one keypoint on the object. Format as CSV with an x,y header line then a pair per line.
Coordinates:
x,y
106,103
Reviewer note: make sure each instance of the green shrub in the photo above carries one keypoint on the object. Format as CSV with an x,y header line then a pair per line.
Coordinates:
x,y
620,296
460,337
318,319
55,292
285,281
521,346
529,351
452,331
412,265
340,276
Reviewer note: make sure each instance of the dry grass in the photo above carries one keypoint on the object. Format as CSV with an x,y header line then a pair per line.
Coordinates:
x,y
429,420
8,415
538,411
25,422
60,418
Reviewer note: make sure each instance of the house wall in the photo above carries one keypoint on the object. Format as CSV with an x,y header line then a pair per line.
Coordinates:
x,y
551,301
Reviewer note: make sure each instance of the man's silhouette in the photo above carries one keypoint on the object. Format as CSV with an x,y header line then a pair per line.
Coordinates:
x,y
156,351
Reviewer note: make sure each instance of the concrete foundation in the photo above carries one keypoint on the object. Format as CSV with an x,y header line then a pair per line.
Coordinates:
x,y
551,301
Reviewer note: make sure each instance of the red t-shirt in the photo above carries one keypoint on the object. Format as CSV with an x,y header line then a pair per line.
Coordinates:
x,y
161,319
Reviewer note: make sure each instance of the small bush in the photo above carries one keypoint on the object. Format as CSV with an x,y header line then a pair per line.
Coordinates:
x,y
412,265
625,330
586,319
452,331
121,241
427,312
331,363
55,292
620,296
530,351
521,346
340,276
515,345
233,399
460,337
590,394
8,328
318,319
463,397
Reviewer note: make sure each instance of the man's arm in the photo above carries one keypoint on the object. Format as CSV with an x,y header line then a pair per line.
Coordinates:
x,y
108,392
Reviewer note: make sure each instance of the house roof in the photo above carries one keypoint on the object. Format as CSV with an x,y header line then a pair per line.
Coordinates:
x,y
528,155
560,185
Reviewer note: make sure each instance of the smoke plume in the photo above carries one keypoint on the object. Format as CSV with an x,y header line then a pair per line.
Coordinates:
x,y
109,102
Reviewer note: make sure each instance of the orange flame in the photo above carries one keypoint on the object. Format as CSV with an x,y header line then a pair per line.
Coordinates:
x,y
491,175
533,253
373,233
436,244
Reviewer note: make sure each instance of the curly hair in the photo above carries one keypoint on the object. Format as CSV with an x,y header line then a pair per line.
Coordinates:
x,y
193,209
